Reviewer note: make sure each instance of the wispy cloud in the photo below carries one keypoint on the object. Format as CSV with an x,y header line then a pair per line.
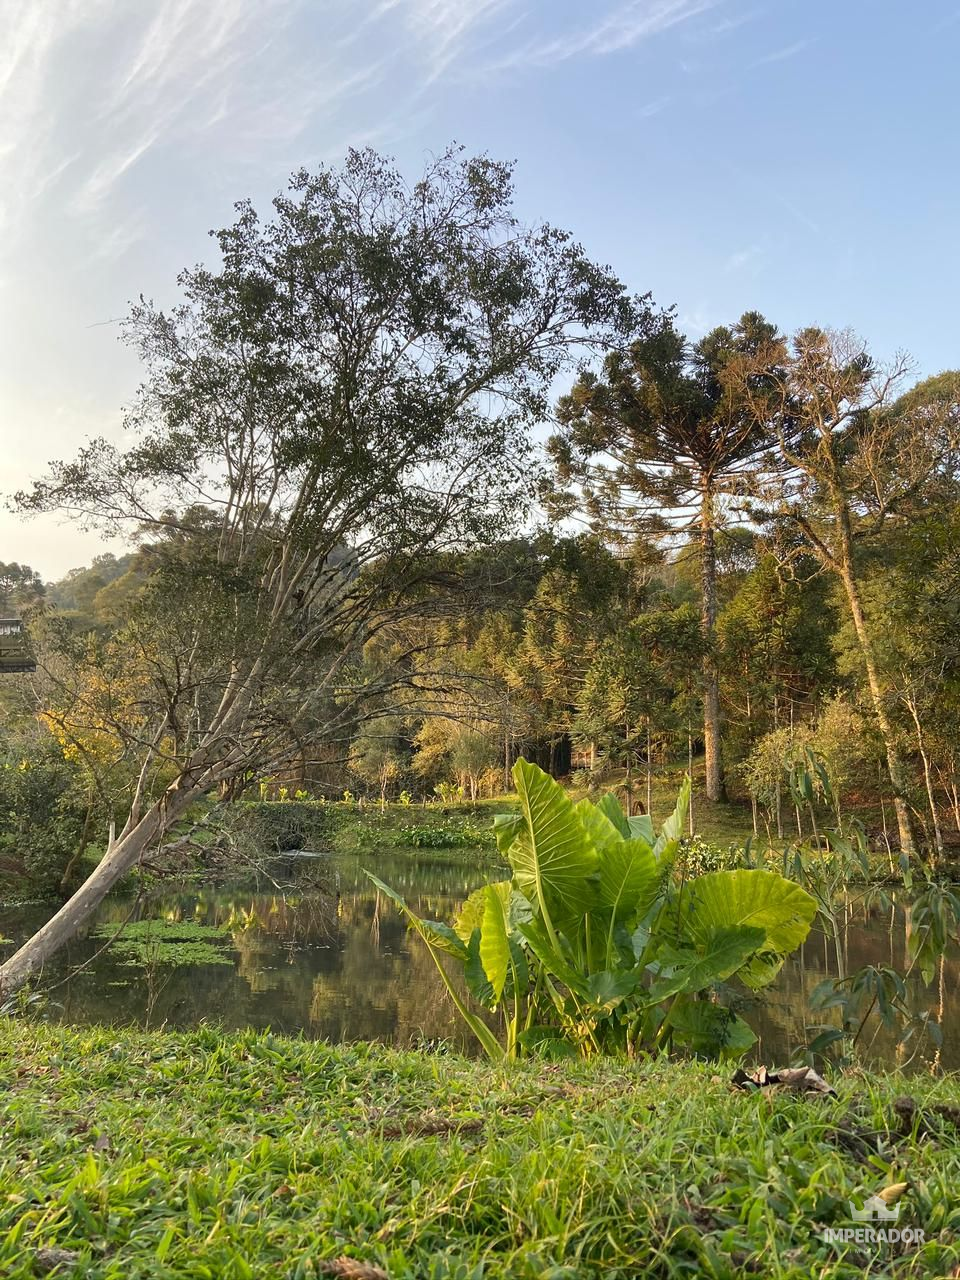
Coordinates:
x,y
948,20
732,22
697,320
781,55
621,27
797,213
98,97
91,90
742,258
444,29
654,107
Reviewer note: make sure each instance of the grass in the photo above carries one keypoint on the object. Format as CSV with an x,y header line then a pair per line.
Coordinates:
x,y
241,1156
466,827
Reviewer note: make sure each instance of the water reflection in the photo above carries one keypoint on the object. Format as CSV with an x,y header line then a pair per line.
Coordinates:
x,y
324,954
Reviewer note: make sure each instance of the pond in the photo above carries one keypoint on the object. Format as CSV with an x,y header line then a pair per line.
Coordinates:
x,y
318,951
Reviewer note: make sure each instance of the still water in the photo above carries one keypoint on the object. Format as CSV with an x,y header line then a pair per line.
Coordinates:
x,y
318,951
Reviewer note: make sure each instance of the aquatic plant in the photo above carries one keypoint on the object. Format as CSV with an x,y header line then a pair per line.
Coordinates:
x,y
592,947
167,942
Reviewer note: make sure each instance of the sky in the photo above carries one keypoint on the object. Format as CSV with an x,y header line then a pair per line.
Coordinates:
x,y
799,157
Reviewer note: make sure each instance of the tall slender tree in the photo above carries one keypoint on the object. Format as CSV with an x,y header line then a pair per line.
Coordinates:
x,y
660,442
857,460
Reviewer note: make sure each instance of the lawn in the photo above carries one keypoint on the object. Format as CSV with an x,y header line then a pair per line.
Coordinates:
x,y
202,1156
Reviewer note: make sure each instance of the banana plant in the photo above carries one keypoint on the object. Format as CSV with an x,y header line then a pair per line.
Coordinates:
x,y
590,947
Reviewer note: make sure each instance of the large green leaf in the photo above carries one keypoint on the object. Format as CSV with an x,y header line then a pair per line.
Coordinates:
x,y
551,958
709,1028
763,899
478,983
518,976
640,827
671,833
471,914
600,829
629,877
607,989
611,808
552,856
516,906
494,941
724,953
760,899
506,827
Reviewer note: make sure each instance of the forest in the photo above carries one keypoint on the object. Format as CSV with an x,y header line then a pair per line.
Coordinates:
x,y
393,529
479,664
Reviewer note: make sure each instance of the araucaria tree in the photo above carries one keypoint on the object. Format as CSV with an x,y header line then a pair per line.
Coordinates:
x,y
657,444
345,395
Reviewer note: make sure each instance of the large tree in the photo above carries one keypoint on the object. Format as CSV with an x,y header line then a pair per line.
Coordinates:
x,y
858,461
346,393
658,441
20,587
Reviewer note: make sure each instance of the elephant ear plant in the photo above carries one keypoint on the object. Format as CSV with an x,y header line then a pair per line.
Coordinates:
x,y
593,947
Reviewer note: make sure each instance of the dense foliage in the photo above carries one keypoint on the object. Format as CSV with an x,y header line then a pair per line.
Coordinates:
x,y
337,585
43,817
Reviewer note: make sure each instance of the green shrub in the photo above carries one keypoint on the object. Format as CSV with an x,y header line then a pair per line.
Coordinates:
x,y
41,821
448,836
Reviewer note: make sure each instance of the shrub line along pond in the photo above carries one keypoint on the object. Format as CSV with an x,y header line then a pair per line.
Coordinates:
x,y
315,947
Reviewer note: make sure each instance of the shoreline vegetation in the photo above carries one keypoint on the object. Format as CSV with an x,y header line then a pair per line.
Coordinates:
x,y
131,1154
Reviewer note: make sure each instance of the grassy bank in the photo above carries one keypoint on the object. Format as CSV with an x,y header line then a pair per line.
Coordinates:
x,y
462,827
244,1156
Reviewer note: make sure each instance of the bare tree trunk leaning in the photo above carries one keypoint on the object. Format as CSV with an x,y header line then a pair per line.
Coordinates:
x,y
122,857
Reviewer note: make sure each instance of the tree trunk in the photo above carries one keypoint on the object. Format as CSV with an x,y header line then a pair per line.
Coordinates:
x,y
708,617
895,766
629,781
77,910
649,771
690,819
928,779
778,797
81,848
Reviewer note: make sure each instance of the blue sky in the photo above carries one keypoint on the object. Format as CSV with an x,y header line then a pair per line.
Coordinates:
x,y
799,158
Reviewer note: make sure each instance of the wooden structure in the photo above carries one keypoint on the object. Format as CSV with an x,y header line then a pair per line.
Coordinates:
x,y
15,653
